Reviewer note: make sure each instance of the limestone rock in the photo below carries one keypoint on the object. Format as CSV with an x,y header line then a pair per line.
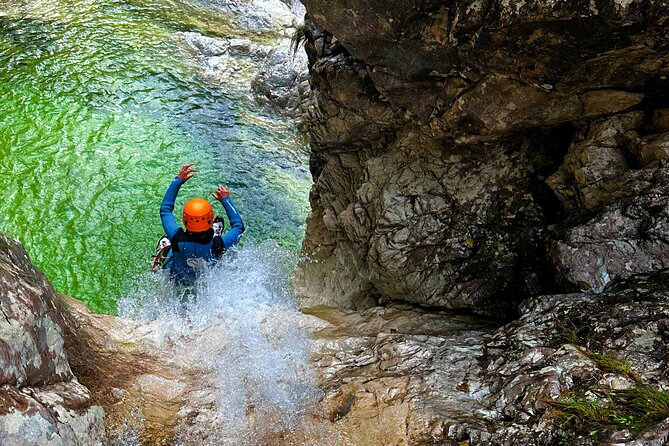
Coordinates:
x,y
260,15
429,228
229,62
628,237
391,375
652,150
207,46
596,169
211,46
499,105
40,400
140,392
534,39
661,120
439,129
281,81
397,375
62,413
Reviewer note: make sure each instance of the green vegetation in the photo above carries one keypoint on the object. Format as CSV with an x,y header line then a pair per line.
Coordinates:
x,y
612,364
606,363
637,408
588,411
298,37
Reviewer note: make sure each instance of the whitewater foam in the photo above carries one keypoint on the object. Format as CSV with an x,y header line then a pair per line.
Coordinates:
x,y
239,326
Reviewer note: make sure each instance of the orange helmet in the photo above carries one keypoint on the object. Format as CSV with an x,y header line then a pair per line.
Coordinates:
x,y
198,215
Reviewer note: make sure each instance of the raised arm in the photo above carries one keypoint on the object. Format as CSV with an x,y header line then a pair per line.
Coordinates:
x,y
232,236
170,224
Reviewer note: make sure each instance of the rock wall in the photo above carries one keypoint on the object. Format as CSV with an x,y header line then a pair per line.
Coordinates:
x,y
41,402
470,154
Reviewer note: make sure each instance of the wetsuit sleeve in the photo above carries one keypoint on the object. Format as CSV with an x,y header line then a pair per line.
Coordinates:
x,y
237,228
170,224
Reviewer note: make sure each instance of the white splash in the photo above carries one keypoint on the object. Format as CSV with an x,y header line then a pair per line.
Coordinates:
x,y
240,325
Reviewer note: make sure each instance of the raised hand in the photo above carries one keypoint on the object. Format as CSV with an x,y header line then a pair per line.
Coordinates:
x,y
222,192
187,172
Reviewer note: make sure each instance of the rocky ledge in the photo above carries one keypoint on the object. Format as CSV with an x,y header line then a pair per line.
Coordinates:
x,y
578,369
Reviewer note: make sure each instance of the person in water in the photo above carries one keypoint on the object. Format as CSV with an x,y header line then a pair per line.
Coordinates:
x,y
198,243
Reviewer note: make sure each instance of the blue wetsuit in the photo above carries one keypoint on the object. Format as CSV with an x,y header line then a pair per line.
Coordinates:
x,y
193,247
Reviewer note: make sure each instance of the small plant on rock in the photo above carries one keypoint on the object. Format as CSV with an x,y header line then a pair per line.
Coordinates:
x,y
636,408
298,38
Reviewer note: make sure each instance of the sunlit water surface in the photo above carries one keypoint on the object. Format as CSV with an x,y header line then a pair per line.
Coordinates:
x,y
100,105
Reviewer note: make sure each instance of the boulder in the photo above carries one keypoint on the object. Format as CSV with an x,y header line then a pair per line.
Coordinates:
x,y
231,63
41,402
282,82
596,169
628,237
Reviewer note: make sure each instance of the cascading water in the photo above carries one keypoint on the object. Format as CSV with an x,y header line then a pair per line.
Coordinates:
x,y
239,325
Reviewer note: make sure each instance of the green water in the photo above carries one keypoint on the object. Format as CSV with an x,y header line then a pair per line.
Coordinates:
x,y
99,108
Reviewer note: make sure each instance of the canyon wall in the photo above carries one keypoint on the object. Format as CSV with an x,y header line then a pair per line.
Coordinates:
x,y
471,154
41,401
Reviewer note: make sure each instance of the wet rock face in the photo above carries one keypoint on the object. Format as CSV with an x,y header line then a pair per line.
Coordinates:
x,y
614,166
628,237
533,38
40,399
392,374
282,82
402,376
547,355
609,159
425,230
32,343
277,75
455,146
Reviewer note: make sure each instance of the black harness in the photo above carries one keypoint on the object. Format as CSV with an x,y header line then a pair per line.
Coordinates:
x,y
217,248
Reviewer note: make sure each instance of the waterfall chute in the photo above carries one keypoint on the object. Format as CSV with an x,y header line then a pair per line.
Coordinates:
x,y
239,328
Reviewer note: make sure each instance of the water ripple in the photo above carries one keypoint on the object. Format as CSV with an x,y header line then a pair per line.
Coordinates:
x,y
98,110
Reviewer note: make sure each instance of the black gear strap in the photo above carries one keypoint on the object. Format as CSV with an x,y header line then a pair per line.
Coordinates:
x,y
218,247
174,241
